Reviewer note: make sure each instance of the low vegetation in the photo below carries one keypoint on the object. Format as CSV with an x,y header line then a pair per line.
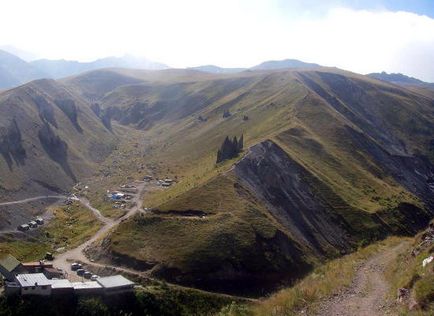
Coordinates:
x,y
70,226
321,283
230,148
407,272
152,301
209,238
24,250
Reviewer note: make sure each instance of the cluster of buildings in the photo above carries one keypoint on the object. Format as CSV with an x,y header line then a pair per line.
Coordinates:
x,y
124,194
41,278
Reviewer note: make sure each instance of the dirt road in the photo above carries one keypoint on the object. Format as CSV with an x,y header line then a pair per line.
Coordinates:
x,y
367,294
63,261
42,197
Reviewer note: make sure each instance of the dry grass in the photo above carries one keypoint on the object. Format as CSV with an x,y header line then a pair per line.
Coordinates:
x,y
407,272
321,283
70,227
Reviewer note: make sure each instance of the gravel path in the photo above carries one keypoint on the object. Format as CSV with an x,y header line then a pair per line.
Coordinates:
x,y
367,294
63,261
41,197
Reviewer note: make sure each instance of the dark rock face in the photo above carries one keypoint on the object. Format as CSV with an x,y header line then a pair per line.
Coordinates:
x,y
315,216
282,183
56,148
11,146
412,172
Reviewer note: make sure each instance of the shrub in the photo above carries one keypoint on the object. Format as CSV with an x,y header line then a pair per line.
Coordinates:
x,y
424,290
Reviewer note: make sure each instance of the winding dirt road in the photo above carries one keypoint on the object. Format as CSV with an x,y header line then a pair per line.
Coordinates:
x,y
367,295
63,261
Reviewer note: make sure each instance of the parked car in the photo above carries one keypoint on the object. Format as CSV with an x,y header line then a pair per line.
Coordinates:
x,y
23,227
33,224
80,271
75,266
49,256
87,275
39,221
94,277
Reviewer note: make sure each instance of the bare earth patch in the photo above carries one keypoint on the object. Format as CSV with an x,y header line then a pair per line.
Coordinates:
x,y
367,294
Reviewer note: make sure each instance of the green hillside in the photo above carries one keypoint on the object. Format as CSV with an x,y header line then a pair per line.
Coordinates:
x,y
49,139
345,162
332,161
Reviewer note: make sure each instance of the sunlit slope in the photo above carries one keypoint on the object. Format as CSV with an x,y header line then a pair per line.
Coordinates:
x,y
338,124
344,160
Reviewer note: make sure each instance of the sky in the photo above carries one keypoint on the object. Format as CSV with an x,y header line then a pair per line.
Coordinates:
x,y
359,35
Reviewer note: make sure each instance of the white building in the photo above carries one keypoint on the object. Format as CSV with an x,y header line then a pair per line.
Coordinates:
x,y
34,284
61,287
39,284
89,287
116,284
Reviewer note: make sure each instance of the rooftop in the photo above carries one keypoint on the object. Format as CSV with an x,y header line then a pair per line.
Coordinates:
x,y
61,284
114,281
85,285
37,264
26,280
9,262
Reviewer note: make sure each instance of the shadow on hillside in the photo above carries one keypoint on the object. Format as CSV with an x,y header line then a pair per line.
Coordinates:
x,y
70,109
56,149
46,111
11,147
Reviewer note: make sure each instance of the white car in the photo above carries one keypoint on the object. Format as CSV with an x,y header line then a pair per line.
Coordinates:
x,y
94,277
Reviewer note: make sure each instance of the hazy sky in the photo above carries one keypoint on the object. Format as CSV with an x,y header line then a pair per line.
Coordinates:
x,y
362,36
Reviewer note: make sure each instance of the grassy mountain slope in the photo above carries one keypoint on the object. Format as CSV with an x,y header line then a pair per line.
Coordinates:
x,y
333,160
345,161
49,139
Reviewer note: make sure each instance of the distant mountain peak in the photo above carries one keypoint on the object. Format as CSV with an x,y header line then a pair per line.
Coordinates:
x,y
398,78
216,69
282,64
14,71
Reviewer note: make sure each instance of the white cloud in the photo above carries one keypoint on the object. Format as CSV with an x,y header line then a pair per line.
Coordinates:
x,y
226,32
365,41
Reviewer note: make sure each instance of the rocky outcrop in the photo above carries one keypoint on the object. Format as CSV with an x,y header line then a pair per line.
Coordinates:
x,y
314,215
284,186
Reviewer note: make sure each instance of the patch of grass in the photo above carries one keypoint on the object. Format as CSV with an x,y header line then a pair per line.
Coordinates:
x,y
424,290
71,226
236,233
407,272
24,250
